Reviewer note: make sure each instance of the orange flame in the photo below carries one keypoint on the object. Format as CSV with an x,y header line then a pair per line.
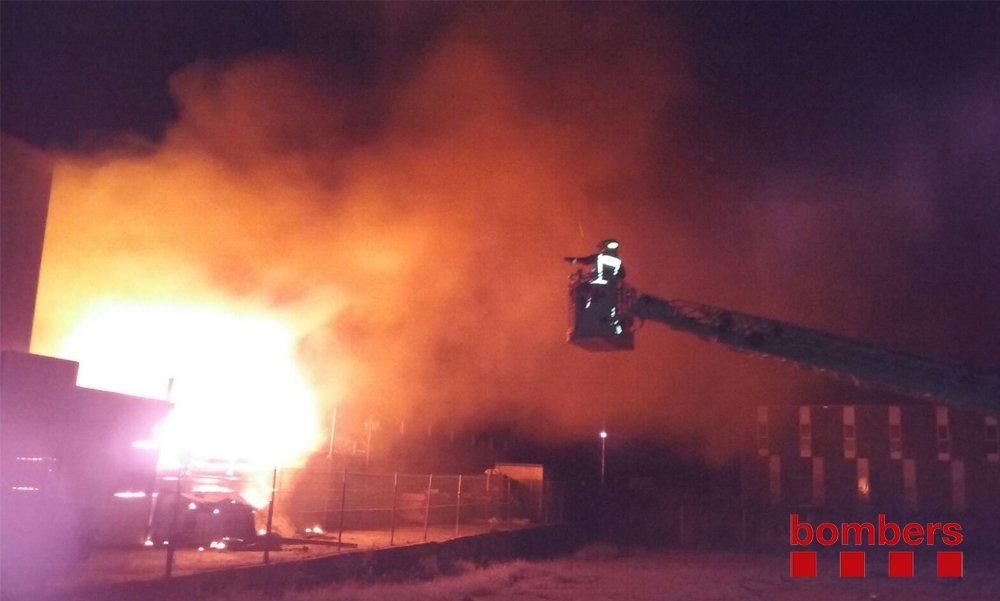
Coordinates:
x,y
239,395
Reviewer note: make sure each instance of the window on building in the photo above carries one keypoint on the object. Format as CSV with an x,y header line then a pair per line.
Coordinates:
x,y
818,482
864,481
957,485
992,440
805,432
774,488
895,433
910,484
850,434
763,445
943,433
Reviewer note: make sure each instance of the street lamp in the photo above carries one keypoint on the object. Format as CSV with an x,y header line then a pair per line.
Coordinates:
x,y
370,426
604,440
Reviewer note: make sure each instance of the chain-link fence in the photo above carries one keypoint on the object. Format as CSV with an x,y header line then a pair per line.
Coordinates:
x,y
374,509
319,511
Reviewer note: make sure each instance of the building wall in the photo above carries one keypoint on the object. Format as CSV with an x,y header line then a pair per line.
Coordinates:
x,y
25,181
913,458
66,451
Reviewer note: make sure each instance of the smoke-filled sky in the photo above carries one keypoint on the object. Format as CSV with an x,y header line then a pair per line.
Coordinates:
x,y
399,182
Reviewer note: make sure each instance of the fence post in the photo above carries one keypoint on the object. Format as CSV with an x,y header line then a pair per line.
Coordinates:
x,y
427,509
172,541
343,506
270,515
489,498
458,504
392,525
743,529
680,524
543,507
327,493
506,505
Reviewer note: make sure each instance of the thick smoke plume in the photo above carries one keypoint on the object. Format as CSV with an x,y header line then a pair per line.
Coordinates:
x,y
412,233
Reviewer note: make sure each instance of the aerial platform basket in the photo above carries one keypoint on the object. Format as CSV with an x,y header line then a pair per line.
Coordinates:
x,y
599,314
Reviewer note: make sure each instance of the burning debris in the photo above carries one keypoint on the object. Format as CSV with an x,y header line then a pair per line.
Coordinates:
x,y
192,520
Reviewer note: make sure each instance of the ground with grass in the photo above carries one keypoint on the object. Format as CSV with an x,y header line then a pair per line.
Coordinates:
x,y
602,573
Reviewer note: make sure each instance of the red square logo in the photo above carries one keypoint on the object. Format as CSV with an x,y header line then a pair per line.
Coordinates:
x,y
803,564
949,564
852,564
900,564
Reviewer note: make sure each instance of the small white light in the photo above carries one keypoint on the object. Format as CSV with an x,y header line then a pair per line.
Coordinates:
x,y
201,548
262,532
166,542
192,505
131,494
309,530
147,543
604,434
612,245
317,529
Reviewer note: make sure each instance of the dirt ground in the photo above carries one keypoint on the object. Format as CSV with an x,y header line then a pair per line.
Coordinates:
x,y
107,566
604,573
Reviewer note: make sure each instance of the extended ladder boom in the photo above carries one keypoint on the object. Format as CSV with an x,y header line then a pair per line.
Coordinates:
x,y
859,361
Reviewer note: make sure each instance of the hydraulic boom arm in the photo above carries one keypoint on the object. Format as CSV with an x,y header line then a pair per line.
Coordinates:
x,y
604,309
860,361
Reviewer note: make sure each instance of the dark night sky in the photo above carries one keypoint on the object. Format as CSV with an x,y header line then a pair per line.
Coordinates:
x,y
829,90
787,108
797,82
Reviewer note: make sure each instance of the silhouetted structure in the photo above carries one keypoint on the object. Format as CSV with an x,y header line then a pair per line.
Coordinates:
x,y
71,473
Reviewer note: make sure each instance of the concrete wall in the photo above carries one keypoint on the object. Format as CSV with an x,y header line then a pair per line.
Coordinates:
x,y
25,182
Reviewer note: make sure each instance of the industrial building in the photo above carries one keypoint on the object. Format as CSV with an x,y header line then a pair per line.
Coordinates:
x,y
77,467
911,458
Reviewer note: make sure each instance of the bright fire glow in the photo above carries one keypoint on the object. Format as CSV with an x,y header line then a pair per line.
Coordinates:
x,y
210,488
239,395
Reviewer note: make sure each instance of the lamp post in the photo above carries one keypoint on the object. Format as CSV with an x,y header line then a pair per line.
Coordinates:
x,y
604,440
370,426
